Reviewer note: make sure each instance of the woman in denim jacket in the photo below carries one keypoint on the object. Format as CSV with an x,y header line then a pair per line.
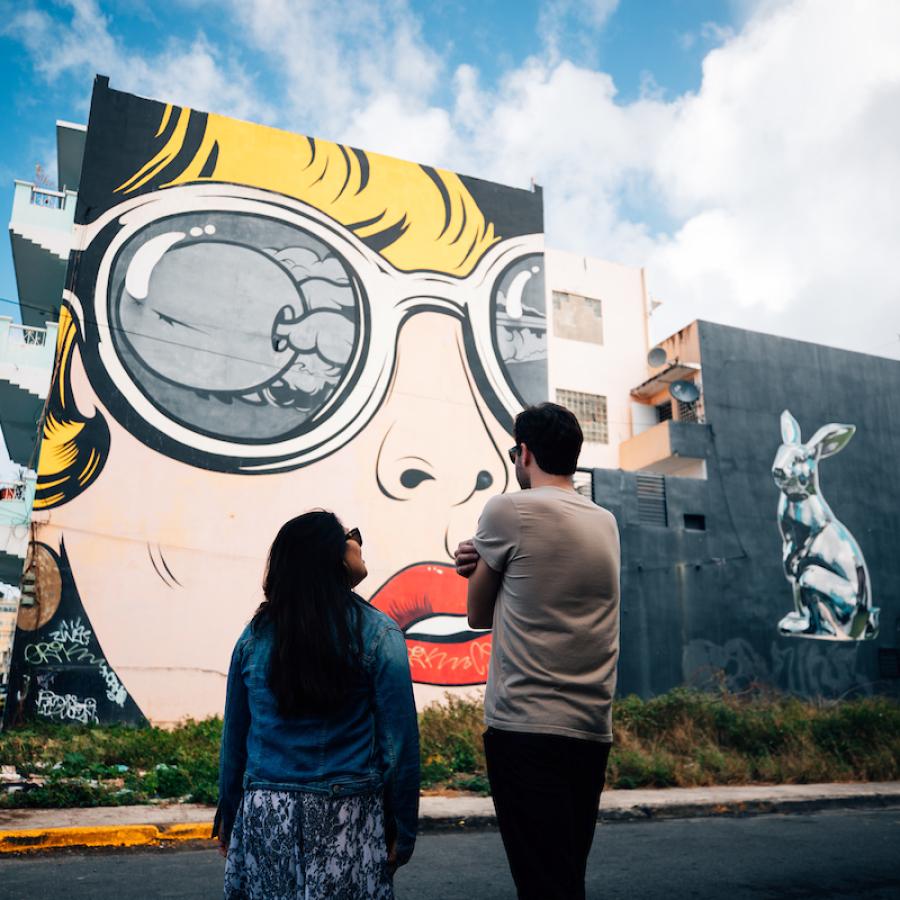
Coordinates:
x,y
319,765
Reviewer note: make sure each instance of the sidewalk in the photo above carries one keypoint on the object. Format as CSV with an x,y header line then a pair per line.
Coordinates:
x,y
135,826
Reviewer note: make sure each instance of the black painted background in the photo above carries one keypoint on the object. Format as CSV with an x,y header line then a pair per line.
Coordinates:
x,y
698,603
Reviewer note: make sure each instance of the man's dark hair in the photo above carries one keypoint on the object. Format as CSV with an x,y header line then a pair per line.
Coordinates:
x,y
552,434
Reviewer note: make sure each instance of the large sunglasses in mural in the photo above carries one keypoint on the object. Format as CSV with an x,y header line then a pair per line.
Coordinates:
x,y
249,332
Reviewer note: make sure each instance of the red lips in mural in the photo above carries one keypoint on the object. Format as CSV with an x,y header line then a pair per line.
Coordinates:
x,y
428,601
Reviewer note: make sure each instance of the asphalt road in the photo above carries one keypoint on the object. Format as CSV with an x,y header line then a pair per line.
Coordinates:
x,y
852,853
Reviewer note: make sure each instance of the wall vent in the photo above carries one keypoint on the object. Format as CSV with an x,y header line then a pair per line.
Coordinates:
x,y
888,662
651,497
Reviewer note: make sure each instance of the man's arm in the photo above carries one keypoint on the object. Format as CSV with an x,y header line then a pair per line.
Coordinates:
x,y
466,558
484,584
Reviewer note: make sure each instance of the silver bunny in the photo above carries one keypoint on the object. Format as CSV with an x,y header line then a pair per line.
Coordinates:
x,y
822,560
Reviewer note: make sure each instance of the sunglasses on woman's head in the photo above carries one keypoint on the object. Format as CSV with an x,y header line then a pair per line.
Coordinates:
x,y
354,535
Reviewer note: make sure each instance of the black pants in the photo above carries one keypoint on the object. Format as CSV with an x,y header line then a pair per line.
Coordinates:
x,y
546,791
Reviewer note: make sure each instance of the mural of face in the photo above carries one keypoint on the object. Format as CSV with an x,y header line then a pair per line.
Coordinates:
x,y
260,324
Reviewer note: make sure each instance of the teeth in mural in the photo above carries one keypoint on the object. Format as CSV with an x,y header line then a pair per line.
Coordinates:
x,y
443,627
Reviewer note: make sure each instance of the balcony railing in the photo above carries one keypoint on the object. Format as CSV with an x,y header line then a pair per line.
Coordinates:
x,y
27,335
12,490
45,197
26,353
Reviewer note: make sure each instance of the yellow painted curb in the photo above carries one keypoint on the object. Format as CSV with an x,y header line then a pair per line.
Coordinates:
x,y
26,840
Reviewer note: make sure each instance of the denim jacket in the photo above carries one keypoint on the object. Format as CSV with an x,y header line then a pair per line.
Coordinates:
x,y
371,744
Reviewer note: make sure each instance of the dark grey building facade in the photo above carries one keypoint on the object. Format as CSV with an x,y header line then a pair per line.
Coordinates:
x,y
703,584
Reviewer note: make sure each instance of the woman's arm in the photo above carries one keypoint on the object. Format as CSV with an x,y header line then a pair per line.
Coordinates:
x,y
233,750
397,730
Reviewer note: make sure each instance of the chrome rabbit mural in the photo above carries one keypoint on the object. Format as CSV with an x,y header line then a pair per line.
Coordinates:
x,y
822,560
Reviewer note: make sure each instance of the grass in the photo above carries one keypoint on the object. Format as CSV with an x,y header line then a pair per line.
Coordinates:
x,y
683,738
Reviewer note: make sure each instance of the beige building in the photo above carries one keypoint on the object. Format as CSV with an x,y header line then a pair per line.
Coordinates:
x,y
597,322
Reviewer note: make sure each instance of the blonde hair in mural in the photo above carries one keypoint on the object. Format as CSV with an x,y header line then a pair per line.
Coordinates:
x,y
415,217
74,447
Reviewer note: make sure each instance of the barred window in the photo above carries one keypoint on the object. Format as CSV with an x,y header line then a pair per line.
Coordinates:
x,y
687,412
577,318
590,410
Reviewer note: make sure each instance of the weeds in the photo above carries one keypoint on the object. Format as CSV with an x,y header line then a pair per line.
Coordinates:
x,y
682,738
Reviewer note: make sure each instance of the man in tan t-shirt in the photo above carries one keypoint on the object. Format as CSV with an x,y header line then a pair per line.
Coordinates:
x,y
543,572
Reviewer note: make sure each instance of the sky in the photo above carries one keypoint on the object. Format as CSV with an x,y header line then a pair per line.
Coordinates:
x,y
745,152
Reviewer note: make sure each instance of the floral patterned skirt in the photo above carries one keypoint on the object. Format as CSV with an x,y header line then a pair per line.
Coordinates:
x,y
295,845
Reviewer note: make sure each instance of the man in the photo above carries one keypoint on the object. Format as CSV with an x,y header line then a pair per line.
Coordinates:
x,y
543,571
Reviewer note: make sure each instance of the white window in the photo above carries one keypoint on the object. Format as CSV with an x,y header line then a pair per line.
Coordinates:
x,y
577,318
590,410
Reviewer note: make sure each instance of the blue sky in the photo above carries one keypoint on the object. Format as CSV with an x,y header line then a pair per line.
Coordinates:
x,y
492,36
715,143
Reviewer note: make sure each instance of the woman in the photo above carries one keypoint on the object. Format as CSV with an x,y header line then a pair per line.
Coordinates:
x,y
319,766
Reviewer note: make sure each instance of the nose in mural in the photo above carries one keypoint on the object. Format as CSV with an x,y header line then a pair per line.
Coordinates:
x,y
441,460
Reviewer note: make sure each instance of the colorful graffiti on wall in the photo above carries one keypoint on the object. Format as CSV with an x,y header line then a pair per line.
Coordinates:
x,y
257,323
822,560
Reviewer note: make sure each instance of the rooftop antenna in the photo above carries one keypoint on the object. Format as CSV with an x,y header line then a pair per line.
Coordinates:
x,y
657,357
41,179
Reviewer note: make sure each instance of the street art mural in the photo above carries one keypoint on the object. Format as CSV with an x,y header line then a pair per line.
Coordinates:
x,y
822,560
257,323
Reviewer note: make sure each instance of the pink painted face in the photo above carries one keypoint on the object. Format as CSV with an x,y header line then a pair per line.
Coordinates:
x,y
250,368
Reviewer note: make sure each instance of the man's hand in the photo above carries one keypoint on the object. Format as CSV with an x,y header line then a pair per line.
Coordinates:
x,y
466,559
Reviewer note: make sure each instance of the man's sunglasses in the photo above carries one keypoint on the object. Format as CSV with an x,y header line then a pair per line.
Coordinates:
x,y
354,535
513,454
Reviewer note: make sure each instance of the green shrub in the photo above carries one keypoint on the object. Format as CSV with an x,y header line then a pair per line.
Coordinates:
x,y
681,738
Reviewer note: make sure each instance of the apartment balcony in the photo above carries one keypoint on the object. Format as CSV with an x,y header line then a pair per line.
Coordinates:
x,y
668,448
16,501
667,420
41,235
27,353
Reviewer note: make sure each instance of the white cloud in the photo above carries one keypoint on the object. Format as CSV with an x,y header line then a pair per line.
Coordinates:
x,y
764,199
562,23
781,169
191,73
336,61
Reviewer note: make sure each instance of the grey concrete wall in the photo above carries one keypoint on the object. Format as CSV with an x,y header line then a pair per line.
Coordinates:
x,y
703,606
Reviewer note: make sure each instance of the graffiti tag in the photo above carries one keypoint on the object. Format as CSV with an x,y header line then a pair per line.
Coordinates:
x,y
426,659
72,631
46,652
66,706
115,690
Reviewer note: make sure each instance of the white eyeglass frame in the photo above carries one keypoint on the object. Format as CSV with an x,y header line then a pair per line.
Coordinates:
x,y
391,294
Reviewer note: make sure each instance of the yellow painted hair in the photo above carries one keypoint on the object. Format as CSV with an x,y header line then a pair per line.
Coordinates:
x,y
73,447
416,217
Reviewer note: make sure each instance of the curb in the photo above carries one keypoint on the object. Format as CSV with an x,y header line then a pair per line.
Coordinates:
x,y
709,809
28,840
477,816
747,808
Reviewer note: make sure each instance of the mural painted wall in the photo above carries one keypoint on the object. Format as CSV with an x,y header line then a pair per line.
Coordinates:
x,y
257,323
703,577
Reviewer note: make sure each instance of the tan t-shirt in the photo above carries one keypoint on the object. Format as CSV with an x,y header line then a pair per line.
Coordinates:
x,y
556,621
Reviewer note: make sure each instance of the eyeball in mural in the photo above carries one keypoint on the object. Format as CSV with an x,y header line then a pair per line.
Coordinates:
x,y
216,310
822,560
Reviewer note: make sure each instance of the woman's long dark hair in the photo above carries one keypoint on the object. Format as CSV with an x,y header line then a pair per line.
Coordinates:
x,y
315,616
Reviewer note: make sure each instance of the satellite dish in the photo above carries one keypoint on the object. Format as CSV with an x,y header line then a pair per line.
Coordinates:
x,y
685,391
657,357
